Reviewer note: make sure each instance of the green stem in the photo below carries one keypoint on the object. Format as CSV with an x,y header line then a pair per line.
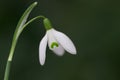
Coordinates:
x,y
14,42
9,61
35,18
7,71
20,24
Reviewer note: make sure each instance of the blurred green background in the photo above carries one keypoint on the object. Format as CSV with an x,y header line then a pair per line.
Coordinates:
x,y
93,26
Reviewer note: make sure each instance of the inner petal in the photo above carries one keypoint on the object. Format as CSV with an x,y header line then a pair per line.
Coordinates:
x,y
52,42
59,50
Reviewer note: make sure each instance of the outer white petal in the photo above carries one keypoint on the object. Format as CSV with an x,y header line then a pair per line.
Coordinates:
x,y
42,50
59,50
65,41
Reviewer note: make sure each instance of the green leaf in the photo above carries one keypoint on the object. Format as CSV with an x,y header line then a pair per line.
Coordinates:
x,y
24,17
20,24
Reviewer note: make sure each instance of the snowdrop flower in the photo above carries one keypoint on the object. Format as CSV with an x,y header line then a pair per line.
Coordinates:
x,y
57,41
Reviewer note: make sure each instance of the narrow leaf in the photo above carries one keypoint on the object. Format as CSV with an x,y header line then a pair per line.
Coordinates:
x,y
24,17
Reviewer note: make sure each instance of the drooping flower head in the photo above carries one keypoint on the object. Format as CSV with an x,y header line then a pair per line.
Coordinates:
x,y
57,41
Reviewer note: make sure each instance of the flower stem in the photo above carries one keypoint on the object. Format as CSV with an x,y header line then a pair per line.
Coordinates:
x,y
7,71
14,42
33,19
9,61
20,26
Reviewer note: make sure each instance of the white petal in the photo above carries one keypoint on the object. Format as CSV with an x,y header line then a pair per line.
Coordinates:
x,y
51,38
42,50
65,41
59,50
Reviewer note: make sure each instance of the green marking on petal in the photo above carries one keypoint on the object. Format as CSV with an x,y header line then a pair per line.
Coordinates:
x,y
54,44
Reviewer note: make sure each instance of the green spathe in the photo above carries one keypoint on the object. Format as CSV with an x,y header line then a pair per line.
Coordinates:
x,y
20,26
47,24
